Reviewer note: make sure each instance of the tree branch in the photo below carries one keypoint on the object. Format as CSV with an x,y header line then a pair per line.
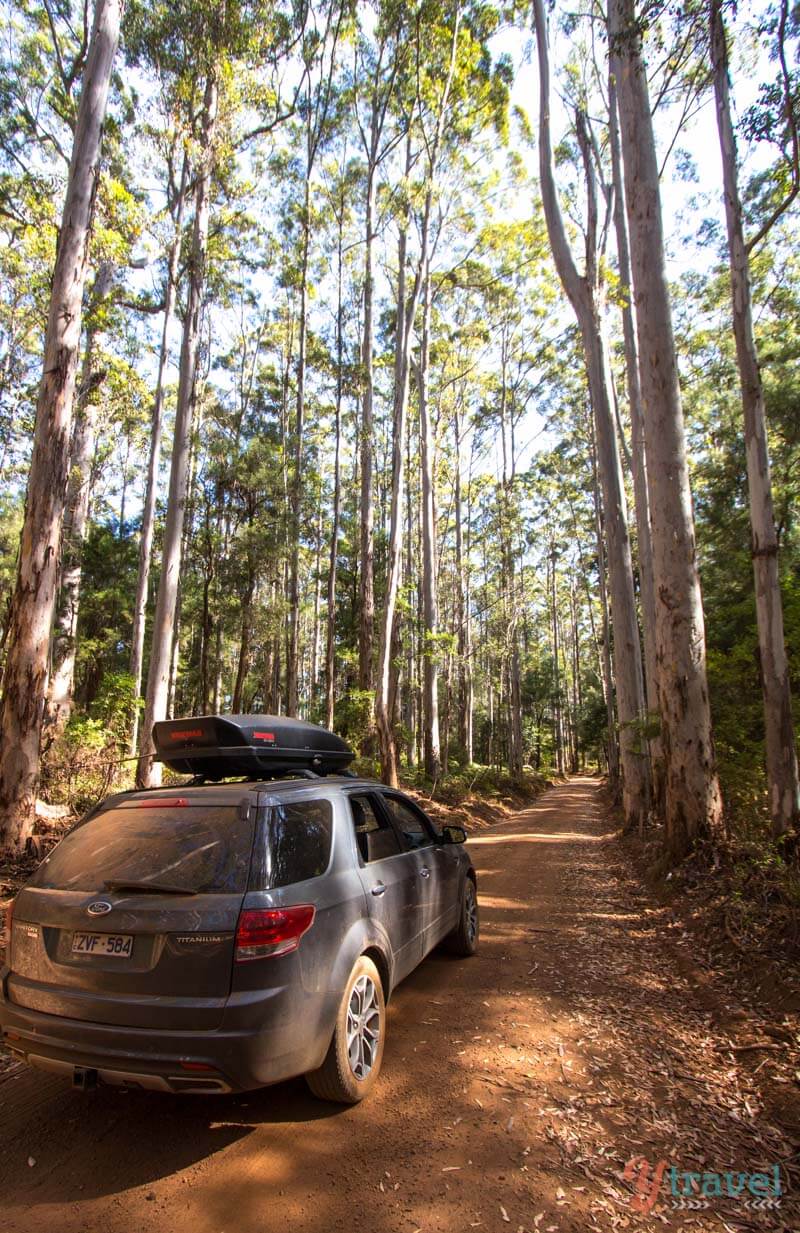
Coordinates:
x,y
791,121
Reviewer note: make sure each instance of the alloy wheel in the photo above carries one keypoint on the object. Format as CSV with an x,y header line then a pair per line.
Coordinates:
x,y
363,1027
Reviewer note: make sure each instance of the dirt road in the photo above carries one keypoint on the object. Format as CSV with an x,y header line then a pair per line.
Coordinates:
x,y
516,1085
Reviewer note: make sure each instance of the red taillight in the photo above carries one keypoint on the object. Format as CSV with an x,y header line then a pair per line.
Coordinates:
x,y
9,918
272,931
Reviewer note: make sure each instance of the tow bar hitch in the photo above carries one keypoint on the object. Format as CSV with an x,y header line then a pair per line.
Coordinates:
x,y
84,1079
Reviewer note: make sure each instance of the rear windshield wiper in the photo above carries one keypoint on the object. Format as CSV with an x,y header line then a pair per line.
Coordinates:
x,y
155,888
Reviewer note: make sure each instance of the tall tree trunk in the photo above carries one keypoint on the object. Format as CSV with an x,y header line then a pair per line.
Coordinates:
x,y
297,475
243,663
781,754
33,603
430,650
330,639
313,676
366,627
174,659
406,312
558,735
607,661
577,699
514,705
693,799
406,315
641,493
76,515
317,102
462,608
151,483
412,666
158,677
447,714
583,293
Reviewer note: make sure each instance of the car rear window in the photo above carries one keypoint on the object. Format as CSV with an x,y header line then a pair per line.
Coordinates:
x,y
294,844
201,848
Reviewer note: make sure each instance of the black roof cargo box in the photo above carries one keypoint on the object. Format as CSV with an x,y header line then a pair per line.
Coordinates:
x,y
257,746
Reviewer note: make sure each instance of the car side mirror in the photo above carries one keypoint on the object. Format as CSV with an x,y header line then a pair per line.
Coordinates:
x,y
454,834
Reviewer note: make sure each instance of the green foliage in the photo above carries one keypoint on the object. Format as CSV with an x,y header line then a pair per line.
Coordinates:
x,y
353,716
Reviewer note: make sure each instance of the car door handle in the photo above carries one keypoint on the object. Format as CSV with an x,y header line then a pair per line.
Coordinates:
x,y
379,889
425,872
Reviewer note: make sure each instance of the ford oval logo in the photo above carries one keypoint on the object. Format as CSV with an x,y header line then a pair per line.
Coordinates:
x,y
98,908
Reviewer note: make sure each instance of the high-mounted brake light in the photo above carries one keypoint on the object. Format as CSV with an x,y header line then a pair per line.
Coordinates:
x,y
9,918
175,802
263,932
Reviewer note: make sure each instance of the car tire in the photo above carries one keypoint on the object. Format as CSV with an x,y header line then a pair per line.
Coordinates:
x,y
353,1061
463,941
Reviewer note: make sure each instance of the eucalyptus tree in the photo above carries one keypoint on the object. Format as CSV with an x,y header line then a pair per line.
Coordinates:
x,y
177,191
455,95
693,800
163,625
25,673
586,295
641,493
340,184
434,109
320,55
76,519
380,61
41,62
201,52
781,753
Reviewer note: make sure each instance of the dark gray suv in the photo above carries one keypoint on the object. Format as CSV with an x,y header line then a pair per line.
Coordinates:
x,y
218,937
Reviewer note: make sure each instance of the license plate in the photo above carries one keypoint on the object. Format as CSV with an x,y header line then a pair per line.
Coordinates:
x,y
118,945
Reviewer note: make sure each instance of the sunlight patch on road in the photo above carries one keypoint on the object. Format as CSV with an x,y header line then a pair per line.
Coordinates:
x,y
533,837
497,901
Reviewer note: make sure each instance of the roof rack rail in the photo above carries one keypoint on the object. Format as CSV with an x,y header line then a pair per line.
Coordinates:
x,y
214,747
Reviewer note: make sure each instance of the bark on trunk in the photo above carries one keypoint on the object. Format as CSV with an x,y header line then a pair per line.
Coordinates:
x,y
463,632
25,674
612,751
693,800
151,484
558,738
583,293
76,516
781,753
330,639
430,652
292,648
514,706
243,663
148,772
406,313
366,674
641,492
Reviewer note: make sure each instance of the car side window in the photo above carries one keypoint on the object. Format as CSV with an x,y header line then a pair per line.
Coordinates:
x,y
375,836
294,844
412,825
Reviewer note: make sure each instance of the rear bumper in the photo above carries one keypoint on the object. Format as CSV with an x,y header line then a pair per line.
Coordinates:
x,y
259,1042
